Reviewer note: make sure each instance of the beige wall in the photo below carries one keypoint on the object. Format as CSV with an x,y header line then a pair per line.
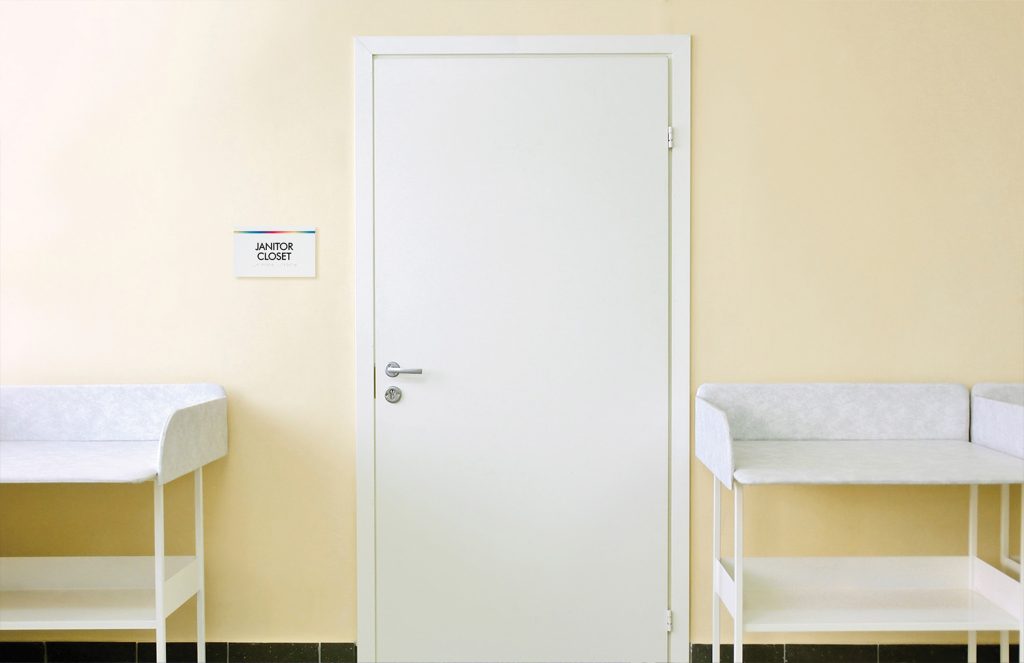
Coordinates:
x,y
858,214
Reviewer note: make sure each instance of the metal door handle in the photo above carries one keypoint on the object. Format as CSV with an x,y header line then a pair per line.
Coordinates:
x,y
393,370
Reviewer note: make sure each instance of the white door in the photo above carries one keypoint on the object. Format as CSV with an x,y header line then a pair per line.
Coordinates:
x,y
521,260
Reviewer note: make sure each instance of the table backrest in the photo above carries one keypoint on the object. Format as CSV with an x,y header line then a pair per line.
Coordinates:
x,y
95,412
842,411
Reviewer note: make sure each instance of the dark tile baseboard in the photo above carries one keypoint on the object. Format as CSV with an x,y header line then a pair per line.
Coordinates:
x,y
177,652
180,652
701,653
16,652
345,652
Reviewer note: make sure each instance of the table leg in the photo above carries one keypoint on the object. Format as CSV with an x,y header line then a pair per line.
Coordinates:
x,y
972,553
737,655
1004,524
200,570
1004,558
716,556
159,576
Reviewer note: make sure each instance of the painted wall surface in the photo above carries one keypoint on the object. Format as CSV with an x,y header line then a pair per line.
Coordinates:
x,y
858,215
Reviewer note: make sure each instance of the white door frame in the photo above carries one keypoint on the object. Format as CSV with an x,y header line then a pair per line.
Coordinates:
x,y
677,48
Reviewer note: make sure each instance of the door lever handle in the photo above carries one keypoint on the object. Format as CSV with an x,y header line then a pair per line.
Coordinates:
x,y
393,370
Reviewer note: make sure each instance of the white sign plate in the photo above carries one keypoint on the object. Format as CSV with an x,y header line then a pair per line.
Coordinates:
x,y
275,252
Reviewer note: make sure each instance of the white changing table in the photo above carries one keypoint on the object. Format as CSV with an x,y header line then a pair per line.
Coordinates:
x,y
852,434
109,434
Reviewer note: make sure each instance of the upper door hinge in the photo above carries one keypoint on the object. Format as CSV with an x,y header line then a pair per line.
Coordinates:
x,y
668,621
670,138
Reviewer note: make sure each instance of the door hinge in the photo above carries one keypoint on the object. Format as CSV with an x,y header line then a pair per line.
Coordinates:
x,y
668,621
375,382
670,138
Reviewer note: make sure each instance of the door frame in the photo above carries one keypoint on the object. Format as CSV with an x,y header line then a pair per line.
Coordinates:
x,y
677,49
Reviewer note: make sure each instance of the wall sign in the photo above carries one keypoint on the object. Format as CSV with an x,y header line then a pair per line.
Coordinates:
x,y
288,252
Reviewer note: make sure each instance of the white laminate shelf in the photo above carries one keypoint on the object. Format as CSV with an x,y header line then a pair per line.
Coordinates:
x,y
79,461
90,592
872,462
817,594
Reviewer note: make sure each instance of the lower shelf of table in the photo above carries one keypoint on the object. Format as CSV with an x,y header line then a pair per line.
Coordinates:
x,y
836,594
90,592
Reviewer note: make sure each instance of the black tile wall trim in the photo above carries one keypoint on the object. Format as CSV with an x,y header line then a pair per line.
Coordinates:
x,y
929,653
751,654
183,652
990,653
177,652
345,652
273,652
337,652
701,653
89,652
832,653
22,652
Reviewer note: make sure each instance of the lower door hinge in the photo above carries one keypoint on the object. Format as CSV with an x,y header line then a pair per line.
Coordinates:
x,y
668,621
670,138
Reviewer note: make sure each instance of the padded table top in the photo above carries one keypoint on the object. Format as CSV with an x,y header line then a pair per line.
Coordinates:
x,y
90,461
872,462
